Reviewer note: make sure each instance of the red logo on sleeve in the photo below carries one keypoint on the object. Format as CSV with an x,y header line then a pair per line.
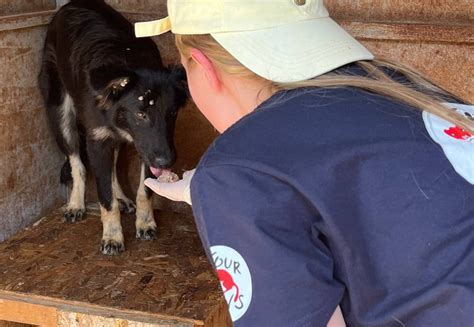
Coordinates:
x,y
458,133
235,279
228,282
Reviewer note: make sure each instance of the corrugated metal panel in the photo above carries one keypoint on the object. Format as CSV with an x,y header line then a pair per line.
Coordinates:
x,y
8,7
30,161
435,37
402,11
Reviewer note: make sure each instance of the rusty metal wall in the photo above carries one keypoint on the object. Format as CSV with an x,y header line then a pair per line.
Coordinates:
x,y
9,7
28,156
447,12
434,36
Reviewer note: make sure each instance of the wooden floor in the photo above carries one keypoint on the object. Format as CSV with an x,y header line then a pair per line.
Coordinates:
x,y
57,268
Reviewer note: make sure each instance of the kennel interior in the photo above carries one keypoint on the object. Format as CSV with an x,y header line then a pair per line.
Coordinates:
x,y
53,274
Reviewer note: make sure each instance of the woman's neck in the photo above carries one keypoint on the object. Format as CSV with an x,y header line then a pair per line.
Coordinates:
x,y
248,93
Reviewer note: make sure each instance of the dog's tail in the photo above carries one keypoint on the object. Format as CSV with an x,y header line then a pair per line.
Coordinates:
x,y
66,173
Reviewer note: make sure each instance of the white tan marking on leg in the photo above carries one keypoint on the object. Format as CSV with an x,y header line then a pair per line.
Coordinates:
x,y
145,219
78,172
68,118
112,229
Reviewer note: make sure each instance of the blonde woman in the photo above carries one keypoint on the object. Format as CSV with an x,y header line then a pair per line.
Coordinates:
x,y
338,180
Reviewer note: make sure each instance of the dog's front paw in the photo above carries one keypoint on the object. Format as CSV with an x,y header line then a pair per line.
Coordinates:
x,y
74,215
146,233
111,247
127,206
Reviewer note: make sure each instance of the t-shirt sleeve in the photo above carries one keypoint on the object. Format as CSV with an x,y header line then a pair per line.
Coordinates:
x,y
258,232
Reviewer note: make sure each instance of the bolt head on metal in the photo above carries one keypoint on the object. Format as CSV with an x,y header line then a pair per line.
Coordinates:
x,y
300,2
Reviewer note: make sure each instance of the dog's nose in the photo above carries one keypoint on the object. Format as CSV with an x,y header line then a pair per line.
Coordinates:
x,y
162,162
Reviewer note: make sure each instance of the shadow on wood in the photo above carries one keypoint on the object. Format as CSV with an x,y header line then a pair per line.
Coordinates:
x,y
58,267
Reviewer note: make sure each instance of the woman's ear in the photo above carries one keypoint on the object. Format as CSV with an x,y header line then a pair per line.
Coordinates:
x,y
207,67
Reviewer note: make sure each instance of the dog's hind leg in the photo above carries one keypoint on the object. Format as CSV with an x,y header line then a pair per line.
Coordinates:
x,y
76,206
125,204
145,222
101,158
62,119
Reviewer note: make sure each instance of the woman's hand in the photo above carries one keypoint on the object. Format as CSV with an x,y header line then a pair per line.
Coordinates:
x,y
175,191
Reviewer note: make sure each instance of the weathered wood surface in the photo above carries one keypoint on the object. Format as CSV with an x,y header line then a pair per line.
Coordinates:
x,y
13,324
27,313
167,281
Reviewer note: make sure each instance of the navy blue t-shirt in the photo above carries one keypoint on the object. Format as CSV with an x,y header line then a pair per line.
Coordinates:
x,y
322,197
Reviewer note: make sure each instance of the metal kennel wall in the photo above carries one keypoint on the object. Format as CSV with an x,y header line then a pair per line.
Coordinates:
x,y
434,36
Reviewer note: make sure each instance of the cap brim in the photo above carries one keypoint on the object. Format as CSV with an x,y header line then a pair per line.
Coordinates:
x,y
294,52
152,28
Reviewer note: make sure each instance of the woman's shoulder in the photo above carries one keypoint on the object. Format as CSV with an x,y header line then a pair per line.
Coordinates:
x,y
313,117
318,107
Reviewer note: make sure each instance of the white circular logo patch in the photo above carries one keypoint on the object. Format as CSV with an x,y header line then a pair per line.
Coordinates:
x,y
457,143
235,279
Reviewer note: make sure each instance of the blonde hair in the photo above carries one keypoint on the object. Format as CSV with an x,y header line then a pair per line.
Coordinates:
x,y
420,93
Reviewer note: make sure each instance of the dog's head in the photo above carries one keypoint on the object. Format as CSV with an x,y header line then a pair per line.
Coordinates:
x,y
142,106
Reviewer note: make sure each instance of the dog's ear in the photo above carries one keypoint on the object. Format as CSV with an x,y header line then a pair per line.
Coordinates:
x,y
180,82
110,83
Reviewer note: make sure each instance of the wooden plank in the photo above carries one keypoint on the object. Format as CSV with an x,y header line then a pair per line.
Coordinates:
x,y
74,319
27,313
166,281
84,310
13,324
220,317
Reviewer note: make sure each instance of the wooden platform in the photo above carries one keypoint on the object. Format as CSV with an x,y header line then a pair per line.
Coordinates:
x,y
52,274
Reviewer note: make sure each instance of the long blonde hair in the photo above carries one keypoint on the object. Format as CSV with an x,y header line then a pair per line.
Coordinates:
x,y
420,93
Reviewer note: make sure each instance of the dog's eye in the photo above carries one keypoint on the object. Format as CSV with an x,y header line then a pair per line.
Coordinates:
x,y
173,114
141,115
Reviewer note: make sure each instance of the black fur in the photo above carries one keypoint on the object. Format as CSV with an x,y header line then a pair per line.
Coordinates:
x,y
66,176
90,50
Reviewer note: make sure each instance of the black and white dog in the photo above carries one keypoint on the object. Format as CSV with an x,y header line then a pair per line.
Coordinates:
x,y
102,87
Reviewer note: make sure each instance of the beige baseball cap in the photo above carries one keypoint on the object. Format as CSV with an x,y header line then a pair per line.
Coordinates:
x,y
280,40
